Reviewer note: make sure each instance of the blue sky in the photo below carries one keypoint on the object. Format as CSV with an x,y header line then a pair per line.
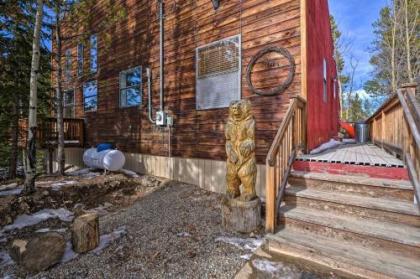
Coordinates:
x,y
355,19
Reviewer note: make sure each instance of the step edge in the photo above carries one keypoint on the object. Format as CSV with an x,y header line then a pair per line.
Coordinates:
x,y
358,262
360,232
414,212
368,181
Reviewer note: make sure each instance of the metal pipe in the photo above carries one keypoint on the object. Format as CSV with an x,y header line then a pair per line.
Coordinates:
x,y
161,69
149,95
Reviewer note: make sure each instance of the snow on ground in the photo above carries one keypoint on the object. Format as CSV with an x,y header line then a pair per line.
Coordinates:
x,y
328,145
85,173
25,220
267,266
129,173
107,239
8,186
5,259
58,185
251,244
12,192
44,230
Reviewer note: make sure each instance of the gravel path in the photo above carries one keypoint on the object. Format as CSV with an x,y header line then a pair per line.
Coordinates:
x,y
171,233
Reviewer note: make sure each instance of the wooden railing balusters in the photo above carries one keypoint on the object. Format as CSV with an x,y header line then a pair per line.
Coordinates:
x,y
289,138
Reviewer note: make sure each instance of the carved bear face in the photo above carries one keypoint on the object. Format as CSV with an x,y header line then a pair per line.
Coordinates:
x,y
239,110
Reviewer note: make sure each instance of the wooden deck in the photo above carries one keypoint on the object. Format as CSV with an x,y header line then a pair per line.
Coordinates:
x,y
355,154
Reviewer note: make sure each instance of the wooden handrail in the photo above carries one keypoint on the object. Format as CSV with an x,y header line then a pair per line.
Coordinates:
x,y
290,137
395,127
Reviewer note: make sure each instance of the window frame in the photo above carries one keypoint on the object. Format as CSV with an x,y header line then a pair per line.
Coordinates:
x,y
84,98
73,104
92,69
80,59
139,86
68,65
324,81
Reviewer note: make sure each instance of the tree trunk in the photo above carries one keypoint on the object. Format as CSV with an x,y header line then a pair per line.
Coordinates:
x,y
30,170
393,49
59,93
407,44
14,139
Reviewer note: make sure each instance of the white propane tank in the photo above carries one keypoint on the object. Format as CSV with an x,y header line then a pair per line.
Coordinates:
x,y
110,159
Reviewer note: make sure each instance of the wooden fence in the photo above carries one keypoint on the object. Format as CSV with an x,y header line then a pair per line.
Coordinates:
x,y
395,127
290,138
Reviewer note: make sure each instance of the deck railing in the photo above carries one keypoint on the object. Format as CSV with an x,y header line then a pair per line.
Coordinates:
x,y
290,138
47,135
395,127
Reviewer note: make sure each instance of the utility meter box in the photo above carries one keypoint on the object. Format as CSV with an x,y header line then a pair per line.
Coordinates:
x,y
161,118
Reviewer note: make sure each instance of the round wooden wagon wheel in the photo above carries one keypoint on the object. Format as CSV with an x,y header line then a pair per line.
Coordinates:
x,y
283,86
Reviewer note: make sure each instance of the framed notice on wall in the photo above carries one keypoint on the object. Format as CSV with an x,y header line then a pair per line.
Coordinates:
x,y
218,73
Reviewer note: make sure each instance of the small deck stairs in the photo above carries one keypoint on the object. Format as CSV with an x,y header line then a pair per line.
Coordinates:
x,y
354,226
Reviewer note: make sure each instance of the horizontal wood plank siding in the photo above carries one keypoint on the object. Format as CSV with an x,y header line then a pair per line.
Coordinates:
x,y
188,25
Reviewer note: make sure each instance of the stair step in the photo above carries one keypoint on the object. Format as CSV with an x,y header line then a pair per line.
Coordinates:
x,y
402,239
349,260
380,209
358,185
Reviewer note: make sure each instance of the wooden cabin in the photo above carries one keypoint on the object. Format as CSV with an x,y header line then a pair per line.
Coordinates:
x,y
207,52
350,211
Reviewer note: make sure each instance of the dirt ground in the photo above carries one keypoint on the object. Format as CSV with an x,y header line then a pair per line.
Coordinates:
x,y
149,229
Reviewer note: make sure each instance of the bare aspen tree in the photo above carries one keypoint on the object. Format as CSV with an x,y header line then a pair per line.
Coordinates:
x,y
407,42
30,159
59,92
393,48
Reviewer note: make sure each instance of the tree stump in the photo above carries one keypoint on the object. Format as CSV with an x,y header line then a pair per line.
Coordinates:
x,y
85,233
241,216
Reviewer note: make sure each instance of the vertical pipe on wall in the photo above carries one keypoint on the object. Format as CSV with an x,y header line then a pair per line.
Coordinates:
x,y
161,69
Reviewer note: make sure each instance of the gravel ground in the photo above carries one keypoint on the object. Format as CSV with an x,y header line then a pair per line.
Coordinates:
x,y
171,233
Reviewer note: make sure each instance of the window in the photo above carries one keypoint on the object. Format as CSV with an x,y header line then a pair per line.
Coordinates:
x,y
90,95
130,87
93,53
68,103
80,49
67,67
325,92
218,73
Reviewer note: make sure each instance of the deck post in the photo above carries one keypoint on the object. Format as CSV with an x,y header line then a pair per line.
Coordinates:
x,y
270,221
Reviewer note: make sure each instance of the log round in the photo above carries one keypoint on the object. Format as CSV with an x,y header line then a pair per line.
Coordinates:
x,y
85,232
241,216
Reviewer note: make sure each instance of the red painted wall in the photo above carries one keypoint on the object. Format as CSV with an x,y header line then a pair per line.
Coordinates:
x,y
323,116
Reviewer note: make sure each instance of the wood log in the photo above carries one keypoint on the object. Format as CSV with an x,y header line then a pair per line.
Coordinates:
x,y
240,216
85,233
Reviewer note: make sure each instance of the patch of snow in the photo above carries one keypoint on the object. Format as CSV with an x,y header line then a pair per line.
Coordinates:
x,y
69,254
267,266
107,239
85,173
183,234
57,186
349,141
25,220
328,145
251,244
100,210
246,256
5,259
44,230
129,173
12,192
8,186
3,240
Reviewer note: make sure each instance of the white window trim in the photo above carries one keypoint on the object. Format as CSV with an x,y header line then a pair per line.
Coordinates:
x,y
134,86
84,98
324,81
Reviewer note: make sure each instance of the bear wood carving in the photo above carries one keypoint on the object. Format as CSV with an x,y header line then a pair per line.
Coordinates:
x,y
240,149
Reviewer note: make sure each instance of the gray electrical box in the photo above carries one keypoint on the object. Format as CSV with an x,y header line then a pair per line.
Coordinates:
x,y
161,118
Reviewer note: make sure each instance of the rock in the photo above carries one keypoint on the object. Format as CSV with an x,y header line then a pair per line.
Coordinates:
x,y
45,193
38,253
241,216
85,232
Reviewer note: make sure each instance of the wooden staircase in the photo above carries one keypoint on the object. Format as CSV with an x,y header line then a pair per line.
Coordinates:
x,y
355,226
